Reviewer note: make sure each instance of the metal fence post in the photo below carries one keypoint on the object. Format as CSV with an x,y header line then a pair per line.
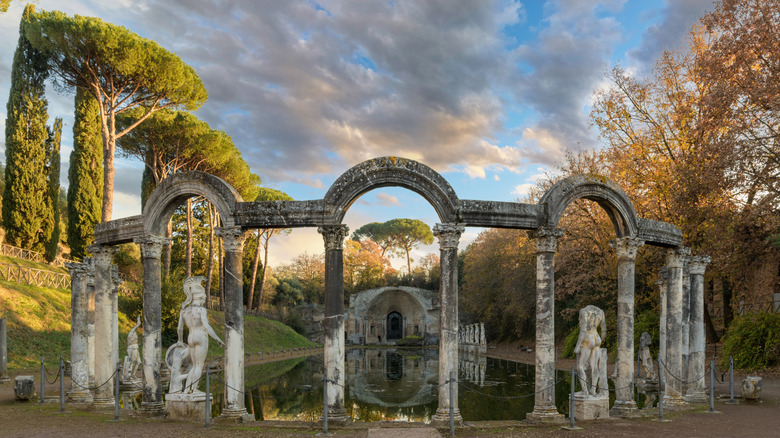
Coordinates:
x,y
43,381
116,392
325,401
731,380
452,404
208,394
62,385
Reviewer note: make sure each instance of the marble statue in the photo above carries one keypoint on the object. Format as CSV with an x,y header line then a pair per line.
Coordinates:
x,y
133,359
588,350
645,360
186,361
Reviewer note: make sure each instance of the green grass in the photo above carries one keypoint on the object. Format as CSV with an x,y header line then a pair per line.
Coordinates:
x,y
259,334
28,264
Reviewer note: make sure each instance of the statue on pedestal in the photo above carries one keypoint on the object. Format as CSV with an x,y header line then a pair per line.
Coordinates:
x,y
588,351
133,358
186,361
645,360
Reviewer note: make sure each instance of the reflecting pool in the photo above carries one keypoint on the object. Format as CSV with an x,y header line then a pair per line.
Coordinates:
x,y
397,385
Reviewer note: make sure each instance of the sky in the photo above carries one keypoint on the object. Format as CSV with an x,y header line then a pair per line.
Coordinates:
x,y
489,93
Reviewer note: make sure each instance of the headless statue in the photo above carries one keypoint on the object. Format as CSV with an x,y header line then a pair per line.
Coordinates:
x,y
588,349
133,359
191,355
645,360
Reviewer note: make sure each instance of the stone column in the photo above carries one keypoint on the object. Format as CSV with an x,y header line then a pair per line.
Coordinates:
x,y
544,400
626,249
675,261
79,334
448,235
115,282
233,241
333,323
151,399
663,288
103,395
686,316
697,387
90,265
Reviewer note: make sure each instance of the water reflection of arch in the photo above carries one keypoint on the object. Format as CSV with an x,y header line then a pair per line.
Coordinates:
x,y
367,316
369,382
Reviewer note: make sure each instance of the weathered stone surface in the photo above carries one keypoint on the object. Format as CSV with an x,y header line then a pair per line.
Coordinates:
x,y
591,408
498,214
188,407
118,231
103,395
673,368
79,334
751,388
659,233
24,387
697,386
369,310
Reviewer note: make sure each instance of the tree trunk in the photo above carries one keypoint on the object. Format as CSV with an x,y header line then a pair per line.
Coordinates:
x,y
265,270
109,145
210,268
408,263
254,274
188,255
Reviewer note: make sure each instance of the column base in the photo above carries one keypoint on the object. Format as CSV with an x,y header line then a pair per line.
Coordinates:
x,y
442,417
697,397
674,401
152,409
99,403
239,415
587,407
624,409
79,396
545,414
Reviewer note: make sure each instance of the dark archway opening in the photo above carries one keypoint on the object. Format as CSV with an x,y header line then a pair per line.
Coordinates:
x,y
395,328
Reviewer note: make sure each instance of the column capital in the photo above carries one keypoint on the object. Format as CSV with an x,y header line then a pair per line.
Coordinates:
x,y
232,237
626,247
77,268
676,257
448,234
102,255
334,236
151,245
546,238
698,264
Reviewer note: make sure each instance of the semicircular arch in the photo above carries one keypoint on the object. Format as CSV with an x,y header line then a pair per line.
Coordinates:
x,y
176,189
603,191
391,172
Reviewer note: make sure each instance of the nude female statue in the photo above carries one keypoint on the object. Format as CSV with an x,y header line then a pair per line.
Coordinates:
x,y
588,349
193,315
133,359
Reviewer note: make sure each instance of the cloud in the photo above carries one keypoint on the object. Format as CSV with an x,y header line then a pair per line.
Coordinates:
x,y
386,200
522,190
674,21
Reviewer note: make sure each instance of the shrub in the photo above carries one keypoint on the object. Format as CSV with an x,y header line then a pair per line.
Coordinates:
x,y
294,321
753,341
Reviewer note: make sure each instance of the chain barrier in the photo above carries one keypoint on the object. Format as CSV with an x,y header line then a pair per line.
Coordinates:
x,y
56,373
94,388
56,376
687,382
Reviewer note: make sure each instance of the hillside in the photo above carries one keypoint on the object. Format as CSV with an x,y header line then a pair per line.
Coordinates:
x,y
39,324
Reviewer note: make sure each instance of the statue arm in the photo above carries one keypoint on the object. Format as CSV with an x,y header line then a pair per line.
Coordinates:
x,y
180,328
603,326
137,324
205,320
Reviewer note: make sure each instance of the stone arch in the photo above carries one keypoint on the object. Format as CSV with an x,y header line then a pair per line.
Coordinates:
x,y
603,191
391,172
175,190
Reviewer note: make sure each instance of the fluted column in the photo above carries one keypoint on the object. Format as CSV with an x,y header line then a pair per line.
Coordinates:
x,y
233,241
103,395
449,236
697,387
686,316
626,249
115,282
663,289
151,249
675,261
333,323
79,334
544,400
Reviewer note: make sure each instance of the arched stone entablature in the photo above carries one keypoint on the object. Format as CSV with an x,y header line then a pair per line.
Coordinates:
x,y
606,193
176,189
387,172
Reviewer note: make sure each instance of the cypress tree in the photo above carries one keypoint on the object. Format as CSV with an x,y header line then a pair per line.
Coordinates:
x,y
51,226
25,141
85,175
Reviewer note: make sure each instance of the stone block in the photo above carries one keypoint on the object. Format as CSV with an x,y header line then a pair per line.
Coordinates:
x,y
24,387
190,407
590,407
751,388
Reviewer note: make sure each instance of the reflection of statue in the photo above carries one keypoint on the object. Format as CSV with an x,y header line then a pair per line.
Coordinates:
x,y
192,355
645,360
133,359
588,349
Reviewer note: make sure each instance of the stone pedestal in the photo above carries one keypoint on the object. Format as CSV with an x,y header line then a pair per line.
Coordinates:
x,y
190,407
24,387
751,388
588,407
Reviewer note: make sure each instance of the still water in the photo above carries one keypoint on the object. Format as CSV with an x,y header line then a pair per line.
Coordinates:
x,y
397,385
